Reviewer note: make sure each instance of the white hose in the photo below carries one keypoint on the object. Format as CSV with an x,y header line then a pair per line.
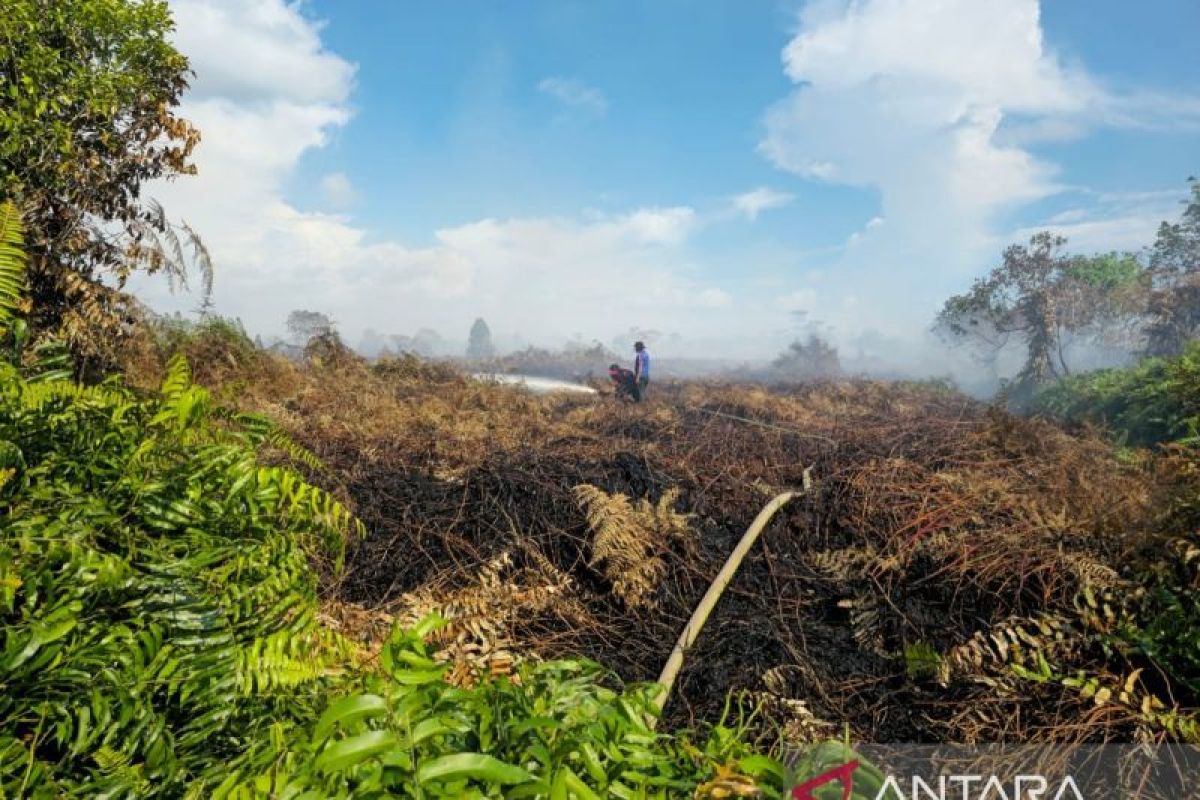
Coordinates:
x,y
692,630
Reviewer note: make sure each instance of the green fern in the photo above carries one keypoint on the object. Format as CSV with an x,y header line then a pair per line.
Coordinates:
x,y
12,266
117,775
178,378
168,653
262,432
922,661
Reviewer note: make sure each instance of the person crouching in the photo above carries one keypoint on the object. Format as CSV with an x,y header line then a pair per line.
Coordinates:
x,y
623,382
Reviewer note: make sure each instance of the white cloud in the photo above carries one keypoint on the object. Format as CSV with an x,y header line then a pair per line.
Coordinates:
x,y
575,93
1114,221
337,190
260,51
658,225
542,277
930,103
755,201
985,52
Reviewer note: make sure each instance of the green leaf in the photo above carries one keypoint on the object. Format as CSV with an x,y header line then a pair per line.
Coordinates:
x,y
477,766
346,753
346,712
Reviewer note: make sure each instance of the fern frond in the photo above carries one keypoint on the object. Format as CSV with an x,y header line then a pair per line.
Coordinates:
x,y
285,660
261,431
846,564
158,247
793,718
13,286
202,259
177,379
120,777
630,541
866,612
1091,573
186,406
36,396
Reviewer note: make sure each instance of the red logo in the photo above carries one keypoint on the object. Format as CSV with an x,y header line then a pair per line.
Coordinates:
x,y
843,774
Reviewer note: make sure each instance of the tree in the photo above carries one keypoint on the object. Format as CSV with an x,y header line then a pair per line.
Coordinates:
x,y
1047,300
479,343
1174,302
304,326
814,358
1103,305
87,96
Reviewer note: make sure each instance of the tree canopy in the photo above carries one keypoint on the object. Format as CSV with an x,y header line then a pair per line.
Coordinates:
x,y
88,90
1046,299
1174,304
1118,304
479,343
303,326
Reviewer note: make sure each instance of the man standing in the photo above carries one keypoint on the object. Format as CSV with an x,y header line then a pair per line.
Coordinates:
x,y
641,370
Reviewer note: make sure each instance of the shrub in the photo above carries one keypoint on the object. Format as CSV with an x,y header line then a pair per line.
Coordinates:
x,y
808,360
1155,401
157,601
552,730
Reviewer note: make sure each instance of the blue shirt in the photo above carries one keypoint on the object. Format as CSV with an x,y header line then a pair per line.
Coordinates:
x,y
641,364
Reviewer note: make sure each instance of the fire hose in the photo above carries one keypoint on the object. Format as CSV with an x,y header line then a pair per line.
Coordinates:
x,y
694,625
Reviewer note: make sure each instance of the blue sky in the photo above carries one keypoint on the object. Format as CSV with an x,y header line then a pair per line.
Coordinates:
x,y
704,169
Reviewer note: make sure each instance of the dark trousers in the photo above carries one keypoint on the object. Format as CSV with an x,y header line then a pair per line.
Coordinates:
x,y
643,383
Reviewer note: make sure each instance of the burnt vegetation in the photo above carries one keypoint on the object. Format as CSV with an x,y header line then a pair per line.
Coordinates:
x,y
958,573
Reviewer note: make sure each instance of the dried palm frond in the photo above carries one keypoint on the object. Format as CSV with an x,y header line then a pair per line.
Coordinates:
x,y
630,540
866,612
794,720
1020,641
480,616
